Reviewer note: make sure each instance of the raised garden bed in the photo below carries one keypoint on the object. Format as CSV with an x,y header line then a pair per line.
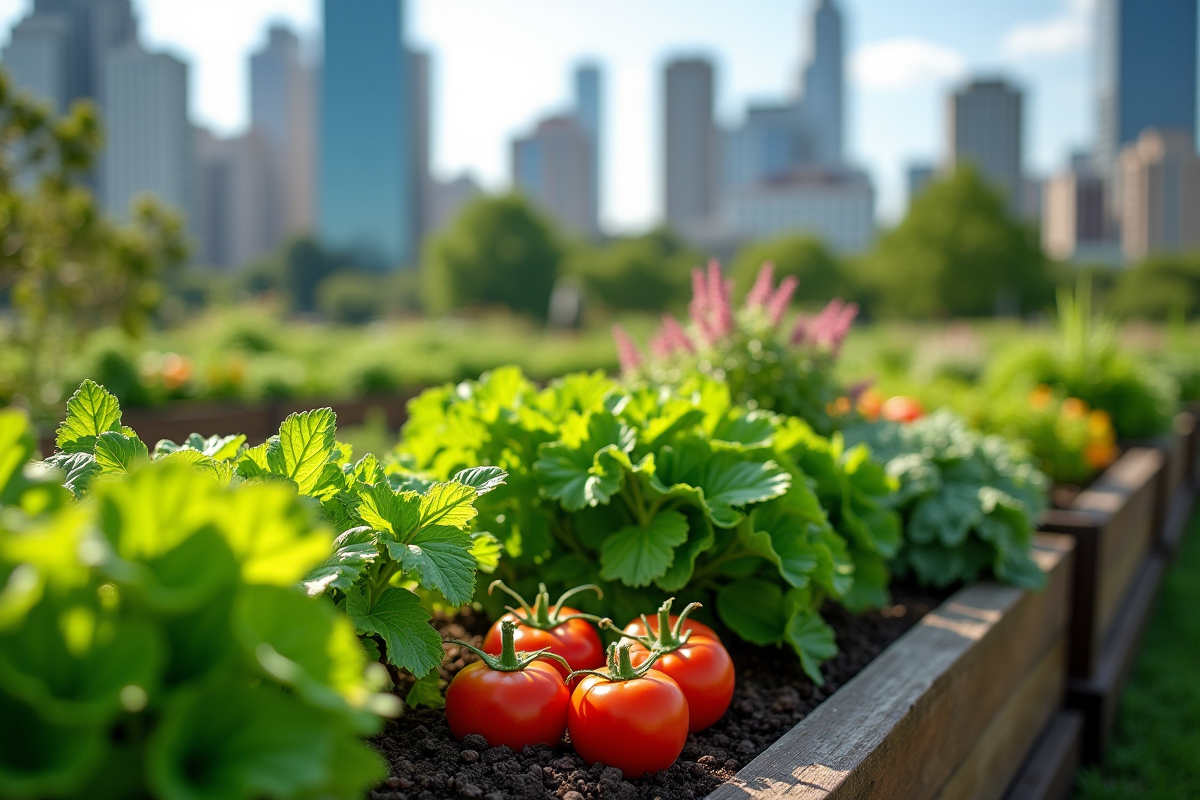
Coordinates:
x,y
1112,522
950,710
1049,772
1173,503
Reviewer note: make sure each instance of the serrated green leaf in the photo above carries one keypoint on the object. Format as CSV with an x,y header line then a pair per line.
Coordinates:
x,y
397,617
700,539
230,741
448,504
301,643
118,455
395,513
306,443
812,640
781,531
746,430
870,587
441,558
486,549
91,411
353,549
481,479
754,609
80,469
427,692
223,448
947,516
579,479
220,471
273,534
636,555
722,481
41,759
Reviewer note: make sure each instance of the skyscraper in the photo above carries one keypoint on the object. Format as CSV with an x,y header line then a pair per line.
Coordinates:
x,y
1161,195
1145,71
588,115
235,203
553,168
283,116
689,144
422,184
36,59
822,84
149,145
367,202
984,130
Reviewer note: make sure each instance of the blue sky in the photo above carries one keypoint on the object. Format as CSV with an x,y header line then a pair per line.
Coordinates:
x,y
501,64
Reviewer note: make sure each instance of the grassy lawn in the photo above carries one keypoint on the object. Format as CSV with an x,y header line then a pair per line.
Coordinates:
x,y
1155,752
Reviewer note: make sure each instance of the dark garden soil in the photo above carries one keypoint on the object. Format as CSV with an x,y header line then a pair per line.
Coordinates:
x,y
772,695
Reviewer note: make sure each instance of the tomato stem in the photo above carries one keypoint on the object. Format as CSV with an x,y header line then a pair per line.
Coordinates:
x,y
620,666
509,659
542,615
668,638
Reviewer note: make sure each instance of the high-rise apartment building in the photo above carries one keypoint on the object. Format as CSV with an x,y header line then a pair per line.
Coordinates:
x,y
588,90
553,168
1145,71
236,202
1075,220
984,130
283,121
36,59
918,177
367,198
149,145
822,83
1160,204
690,142
837,207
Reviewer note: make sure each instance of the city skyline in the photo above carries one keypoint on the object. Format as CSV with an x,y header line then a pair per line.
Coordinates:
x,y
898,74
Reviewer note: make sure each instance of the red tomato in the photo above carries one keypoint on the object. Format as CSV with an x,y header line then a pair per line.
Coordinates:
x,y
525,707
636,628
638,726
575,640
704,671
902,409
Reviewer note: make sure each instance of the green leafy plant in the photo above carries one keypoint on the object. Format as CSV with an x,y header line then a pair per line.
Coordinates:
x,y
154,640
404,543
653,491
969,501
1086,362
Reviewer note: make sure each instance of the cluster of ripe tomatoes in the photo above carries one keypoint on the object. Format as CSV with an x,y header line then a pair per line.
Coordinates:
x,y
543,671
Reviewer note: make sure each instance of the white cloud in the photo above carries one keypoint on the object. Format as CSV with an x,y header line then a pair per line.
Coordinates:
x,y
904,63
1065,33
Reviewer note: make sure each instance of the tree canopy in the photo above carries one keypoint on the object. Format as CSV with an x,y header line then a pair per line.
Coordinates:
x,y
643,273
957,253
822,276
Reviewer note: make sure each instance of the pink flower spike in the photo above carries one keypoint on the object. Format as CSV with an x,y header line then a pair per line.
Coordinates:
x,y
661,346
674,333
714,282
627,352
825,325
842,327
724,310
760,295
699,289
782,298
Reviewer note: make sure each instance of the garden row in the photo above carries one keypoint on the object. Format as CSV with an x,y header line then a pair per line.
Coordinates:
x,y
728,469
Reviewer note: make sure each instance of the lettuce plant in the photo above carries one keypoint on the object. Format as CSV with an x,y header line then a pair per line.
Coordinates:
x,y
155,641
968,500
403,541
766,364
650,491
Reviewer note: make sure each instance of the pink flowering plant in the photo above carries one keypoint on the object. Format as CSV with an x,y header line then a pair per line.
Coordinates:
x,y
769,359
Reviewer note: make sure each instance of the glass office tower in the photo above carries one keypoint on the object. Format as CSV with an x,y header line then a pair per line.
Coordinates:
x,y
367,202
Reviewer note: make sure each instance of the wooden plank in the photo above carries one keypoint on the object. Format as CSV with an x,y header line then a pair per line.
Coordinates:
x,y
997,756
1098,697
903,724
1049,773
1177,522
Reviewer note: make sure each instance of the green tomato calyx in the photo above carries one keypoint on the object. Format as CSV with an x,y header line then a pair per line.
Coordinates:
x,y
620,666
668,638
509,659
541,614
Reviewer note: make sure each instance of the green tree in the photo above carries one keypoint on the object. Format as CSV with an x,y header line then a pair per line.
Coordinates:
x,y
498,252
822,276
957,253
644,273
1159,287
305,265
64,267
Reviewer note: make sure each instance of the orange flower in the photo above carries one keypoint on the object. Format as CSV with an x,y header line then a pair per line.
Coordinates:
x,y
176,370
1074,408
902,409
1100,425
838,407
870,404
1099,455
1040,397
